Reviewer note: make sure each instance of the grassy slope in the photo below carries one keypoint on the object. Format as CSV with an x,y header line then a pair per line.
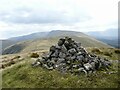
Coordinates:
x,y
44,44
22,75
109,53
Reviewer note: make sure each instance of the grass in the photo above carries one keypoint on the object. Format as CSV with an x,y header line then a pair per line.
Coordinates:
x,y
109,53
22,75
9,62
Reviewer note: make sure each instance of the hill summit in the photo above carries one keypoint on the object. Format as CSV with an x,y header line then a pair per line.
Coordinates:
x,y
69,56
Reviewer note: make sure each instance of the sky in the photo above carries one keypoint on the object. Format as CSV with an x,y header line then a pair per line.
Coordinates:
x,y
22,17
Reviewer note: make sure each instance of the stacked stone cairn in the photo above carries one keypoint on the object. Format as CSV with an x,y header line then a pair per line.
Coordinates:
x,y
69,56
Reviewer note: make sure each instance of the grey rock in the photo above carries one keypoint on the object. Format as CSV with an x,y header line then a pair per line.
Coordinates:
x,y
62,55
80,58
34,64
58,47
72,51
52,49
82,71
60,60
73,57
87,66
69,56
55,54
61,42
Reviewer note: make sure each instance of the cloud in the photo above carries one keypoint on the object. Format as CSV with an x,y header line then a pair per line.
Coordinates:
x,y
29,16
20,17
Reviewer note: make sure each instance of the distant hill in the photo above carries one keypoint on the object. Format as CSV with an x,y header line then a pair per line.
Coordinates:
x,y
6,43
43,43
39,35
56,33
30,36
14,40
109,36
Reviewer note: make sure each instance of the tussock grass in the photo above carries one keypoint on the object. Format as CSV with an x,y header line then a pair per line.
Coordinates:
x,y
117,51
22,75
96,51
109,53
10,61
34,55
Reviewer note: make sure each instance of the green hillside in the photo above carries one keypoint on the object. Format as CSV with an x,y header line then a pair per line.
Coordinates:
x,y
44,44
39,35
22,75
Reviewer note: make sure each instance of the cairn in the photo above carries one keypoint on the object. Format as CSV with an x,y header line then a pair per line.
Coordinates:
x,y
69,56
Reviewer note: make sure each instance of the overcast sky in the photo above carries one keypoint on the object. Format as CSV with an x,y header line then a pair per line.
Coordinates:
x,y
21,17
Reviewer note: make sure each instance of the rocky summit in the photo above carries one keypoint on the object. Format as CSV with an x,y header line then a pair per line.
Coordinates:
x,y
69,56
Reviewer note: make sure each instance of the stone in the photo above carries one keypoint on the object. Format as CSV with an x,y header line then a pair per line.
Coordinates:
x,y
58,47
62,55
87,66
55,54
61,42
72,51
69,56
34,64
52,49
80,58
82,71
60,60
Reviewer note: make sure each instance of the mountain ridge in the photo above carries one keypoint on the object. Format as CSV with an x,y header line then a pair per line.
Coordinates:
x,y
45,42
38,35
